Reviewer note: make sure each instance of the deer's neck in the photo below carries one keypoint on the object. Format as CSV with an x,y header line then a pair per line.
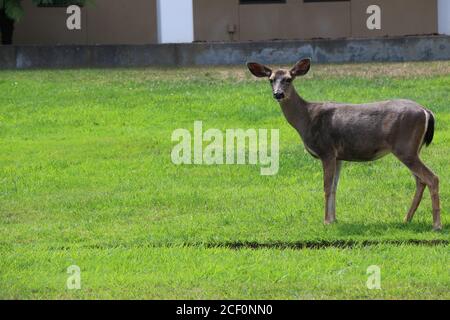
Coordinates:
x,y
297,112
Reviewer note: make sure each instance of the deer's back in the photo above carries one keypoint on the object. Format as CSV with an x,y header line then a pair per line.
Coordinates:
x,y
362,132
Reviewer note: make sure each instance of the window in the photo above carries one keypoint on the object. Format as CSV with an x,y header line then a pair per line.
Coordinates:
x,y
61,3
309,1
261,1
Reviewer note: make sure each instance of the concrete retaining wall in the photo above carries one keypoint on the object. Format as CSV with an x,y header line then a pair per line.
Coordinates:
x,y
417,48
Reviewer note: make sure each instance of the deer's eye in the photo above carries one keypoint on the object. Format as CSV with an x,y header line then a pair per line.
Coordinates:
x,y
288,80
271,80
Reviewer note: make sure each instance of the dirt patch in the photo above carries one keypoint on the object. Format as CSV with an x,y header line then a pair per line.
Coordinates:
x,y
237,73
361,70
394,70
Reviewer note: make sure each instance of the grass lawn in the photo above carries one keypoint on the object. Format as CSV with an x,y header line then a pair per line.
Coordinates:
x,y
86,179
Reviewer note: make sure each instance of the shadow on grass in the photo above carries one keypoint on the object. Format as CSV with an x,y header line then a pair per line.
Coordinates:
x,y
381,228
278,244
320,244
346,229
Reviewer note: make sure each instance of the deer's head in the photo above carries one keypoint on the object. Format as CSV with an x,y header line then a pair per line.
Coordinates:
x,y
281,79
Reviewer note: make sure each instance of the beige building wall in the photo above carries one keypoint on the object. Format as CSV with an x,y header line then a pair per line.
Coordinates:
x,y
214,18
297,19
398,17
322,20
294,20
118,22
265,21
47,26
104,22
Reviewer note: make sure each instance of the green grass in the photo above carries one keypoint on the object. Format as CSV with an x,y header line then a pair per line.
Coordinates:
x,y
86,179
138,272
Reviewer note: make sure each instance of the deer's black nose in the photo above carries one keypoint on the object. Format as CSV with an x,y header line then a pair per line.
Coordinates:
x,y
278,95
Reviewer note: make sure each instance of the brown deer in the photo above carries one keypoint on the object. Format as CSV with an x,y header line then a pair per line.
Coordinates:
x,y
336,132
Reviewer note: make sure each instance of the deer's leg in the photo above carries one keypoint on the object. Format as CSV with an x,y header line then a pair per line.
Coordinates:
x,y
329,170
420,187
334,189
431,180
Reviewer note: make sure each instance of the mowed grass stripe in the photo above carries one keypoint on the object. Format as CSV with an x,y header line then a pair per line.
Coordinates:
x,y
407,272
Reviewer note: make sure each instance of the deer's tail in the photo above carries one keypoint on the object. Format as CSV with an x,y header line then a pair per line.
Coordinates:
x,y
429,134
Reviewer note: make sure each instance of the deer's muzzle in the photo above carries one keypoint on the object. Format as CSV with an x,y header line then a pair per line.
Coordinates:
x,y
278,95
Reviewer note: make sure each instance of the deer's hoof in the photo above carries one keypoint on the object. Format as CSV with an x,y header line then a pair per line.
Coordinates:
x,y
328,222
437,227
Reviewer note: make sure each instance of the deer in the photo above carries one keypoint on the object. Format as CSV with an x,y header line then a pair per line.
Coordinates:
x,y
336,132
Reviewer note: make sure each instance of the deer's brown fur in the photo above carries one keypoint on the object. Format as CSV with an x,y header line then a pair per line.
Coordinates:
x,y
336,132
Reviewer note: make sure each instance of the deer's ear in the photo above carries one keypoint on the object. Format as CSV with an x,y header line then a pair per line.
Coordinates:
x,y
259,70
301,68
